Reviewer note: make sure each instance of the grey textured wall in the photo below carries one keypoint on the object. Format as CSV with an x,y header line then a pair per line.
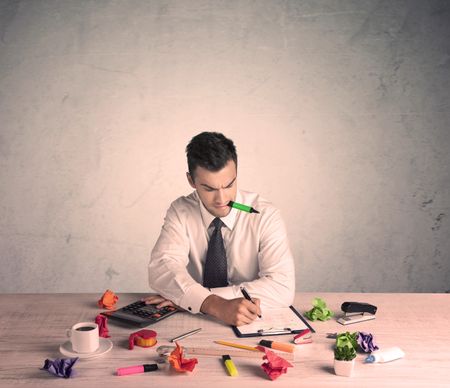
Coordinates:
x,y
339,109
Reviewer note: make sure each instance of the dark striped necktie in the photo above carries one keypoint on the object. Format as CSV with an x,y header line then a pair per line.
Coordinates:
x,y
215,272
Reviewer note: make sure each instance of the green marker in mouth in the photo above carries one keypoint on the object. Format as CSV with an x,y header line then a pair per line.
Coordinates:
x,y
242,207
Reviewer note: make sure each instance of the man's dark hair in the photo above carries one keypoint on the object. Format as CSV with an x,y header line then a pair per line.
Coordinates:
x,y
210,150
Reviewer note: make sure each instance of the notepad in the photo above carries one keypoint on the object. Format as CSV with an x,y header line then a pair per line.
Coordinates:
x,y
277,321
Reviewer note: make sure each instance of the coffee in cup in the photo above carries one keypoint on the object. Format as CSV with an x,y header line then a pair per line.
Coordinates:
x,y
84,337
85,328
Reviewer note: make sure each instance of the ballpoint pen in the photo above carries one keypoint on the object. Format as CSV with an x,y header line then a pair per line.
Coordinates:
x,y
185,335
247,296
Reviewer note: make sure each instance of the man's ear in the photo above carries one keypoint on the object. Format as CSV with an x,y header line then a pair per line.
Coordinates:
x,y
190,180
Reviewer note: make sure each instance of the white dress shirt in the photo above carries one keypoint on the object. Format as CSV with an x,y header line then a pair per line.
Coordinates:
x,y
256,245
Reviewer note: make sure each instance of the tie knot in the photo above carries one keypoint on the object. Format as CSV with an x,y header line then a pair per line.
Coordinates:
x,y
217,222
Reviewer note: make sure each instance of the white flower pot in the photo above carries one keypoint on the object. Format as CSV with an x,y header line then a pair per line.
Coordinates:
x,y
344,368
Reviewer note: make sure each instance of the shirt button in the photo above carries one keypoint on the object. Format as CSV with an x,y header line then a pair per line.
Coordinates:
x,y
189,308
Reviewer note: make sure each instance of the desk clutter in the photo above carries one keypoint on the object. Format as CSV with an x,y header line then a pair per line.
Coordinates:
x,y
91,339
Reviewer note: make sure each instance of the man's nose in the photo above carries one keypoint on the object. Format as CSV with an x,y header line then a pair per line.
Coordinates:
x,y
220,197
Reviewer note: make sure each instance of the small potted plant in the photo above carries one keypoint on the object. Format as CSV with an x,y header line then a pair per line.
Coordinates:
x,y
344,354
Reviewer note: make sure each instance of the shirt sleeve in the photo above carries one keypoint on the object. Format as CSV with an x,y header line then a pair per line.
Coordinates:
x,y
167,269
275,286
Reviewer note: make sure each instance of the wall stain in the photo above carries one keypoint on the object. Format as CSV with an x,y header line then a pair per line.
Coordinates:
x,y
408,265
426,203
105,69
438,222
110,272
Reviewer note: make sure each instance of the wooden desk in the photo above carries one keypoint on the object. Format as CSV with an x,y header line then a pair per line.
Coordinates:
x,y
33,326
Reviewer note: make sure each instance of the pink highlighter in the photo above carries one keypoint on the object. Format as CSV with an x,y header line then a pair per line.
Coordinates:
x,y
131,370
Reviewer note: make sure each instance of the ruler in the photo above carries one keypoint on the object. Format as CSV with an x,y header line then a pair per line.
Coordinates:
x,y
200,351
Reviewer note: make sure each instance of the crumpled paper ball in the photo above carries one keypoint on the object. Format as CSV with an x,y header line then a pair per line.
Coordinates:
x,y
366,342
274,366
179,363
102,323
108,300
60,367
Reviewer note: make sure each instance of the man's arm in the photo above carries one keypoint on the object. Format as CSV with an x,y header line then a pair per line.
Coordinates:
x,y
235,312
167,272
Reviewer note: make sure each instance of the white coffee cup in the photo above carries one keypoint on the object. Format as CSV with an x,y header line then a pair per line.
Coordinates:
x,y
84,337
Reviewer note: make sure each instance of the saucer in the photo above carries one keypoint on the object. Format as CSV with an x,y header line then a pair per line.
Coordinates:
x,y
105,346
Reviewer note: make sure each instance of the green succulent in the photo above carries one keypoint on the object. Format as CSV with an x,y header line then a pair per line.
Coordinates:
x,y
346,345
344,353
347,339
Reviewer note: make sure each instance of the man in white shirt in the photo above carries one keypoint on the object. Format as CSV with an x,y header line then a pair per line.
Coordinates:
x,y
257,251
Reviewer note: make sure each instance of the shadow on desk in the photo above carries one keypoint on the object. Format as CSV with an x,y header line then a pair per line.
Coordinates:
x,y
327,369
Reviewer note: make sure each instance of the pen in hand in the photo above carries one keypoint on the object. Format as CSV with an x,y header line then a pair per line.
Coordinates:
x,y
247,296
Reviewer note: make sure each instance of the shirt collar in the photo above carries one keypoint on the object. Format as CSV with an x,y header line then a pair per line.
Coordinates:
x,y
229,220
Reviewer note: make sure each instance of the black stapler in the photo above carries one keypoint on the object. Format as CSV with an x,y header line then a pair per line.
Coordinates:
x,y
355,312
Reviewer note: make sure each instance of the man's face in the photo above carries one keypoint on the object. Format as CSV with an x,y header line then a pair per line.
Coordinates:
x,y
215,189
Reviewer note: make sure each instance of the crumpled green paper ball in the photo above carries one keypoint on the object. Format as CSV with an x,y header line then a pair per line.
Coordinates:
x,y
319,311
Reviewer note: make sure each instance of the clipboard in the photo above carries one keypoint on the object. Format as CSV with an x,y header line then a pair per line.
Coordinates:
x,y
286,320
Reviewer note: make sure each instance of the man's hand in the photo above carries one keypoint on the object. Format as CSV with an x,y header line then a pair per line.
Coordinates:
x,y
159,301
235,312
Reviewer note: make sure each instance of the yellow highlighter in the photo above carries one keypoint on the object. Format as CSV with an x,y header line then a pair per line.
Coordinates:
x,y
229,364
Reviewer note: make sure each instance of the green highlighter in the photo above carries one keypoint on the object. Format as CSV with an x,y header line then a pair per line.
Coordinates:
x,y
242,207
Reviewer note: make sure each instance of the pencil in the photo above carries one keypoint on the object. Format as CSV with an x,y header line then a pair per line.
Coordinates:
x,y
234,345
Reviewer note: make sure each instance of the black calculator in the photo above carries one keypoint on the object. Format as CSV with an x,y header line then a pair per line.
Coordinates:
x,y
140,314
